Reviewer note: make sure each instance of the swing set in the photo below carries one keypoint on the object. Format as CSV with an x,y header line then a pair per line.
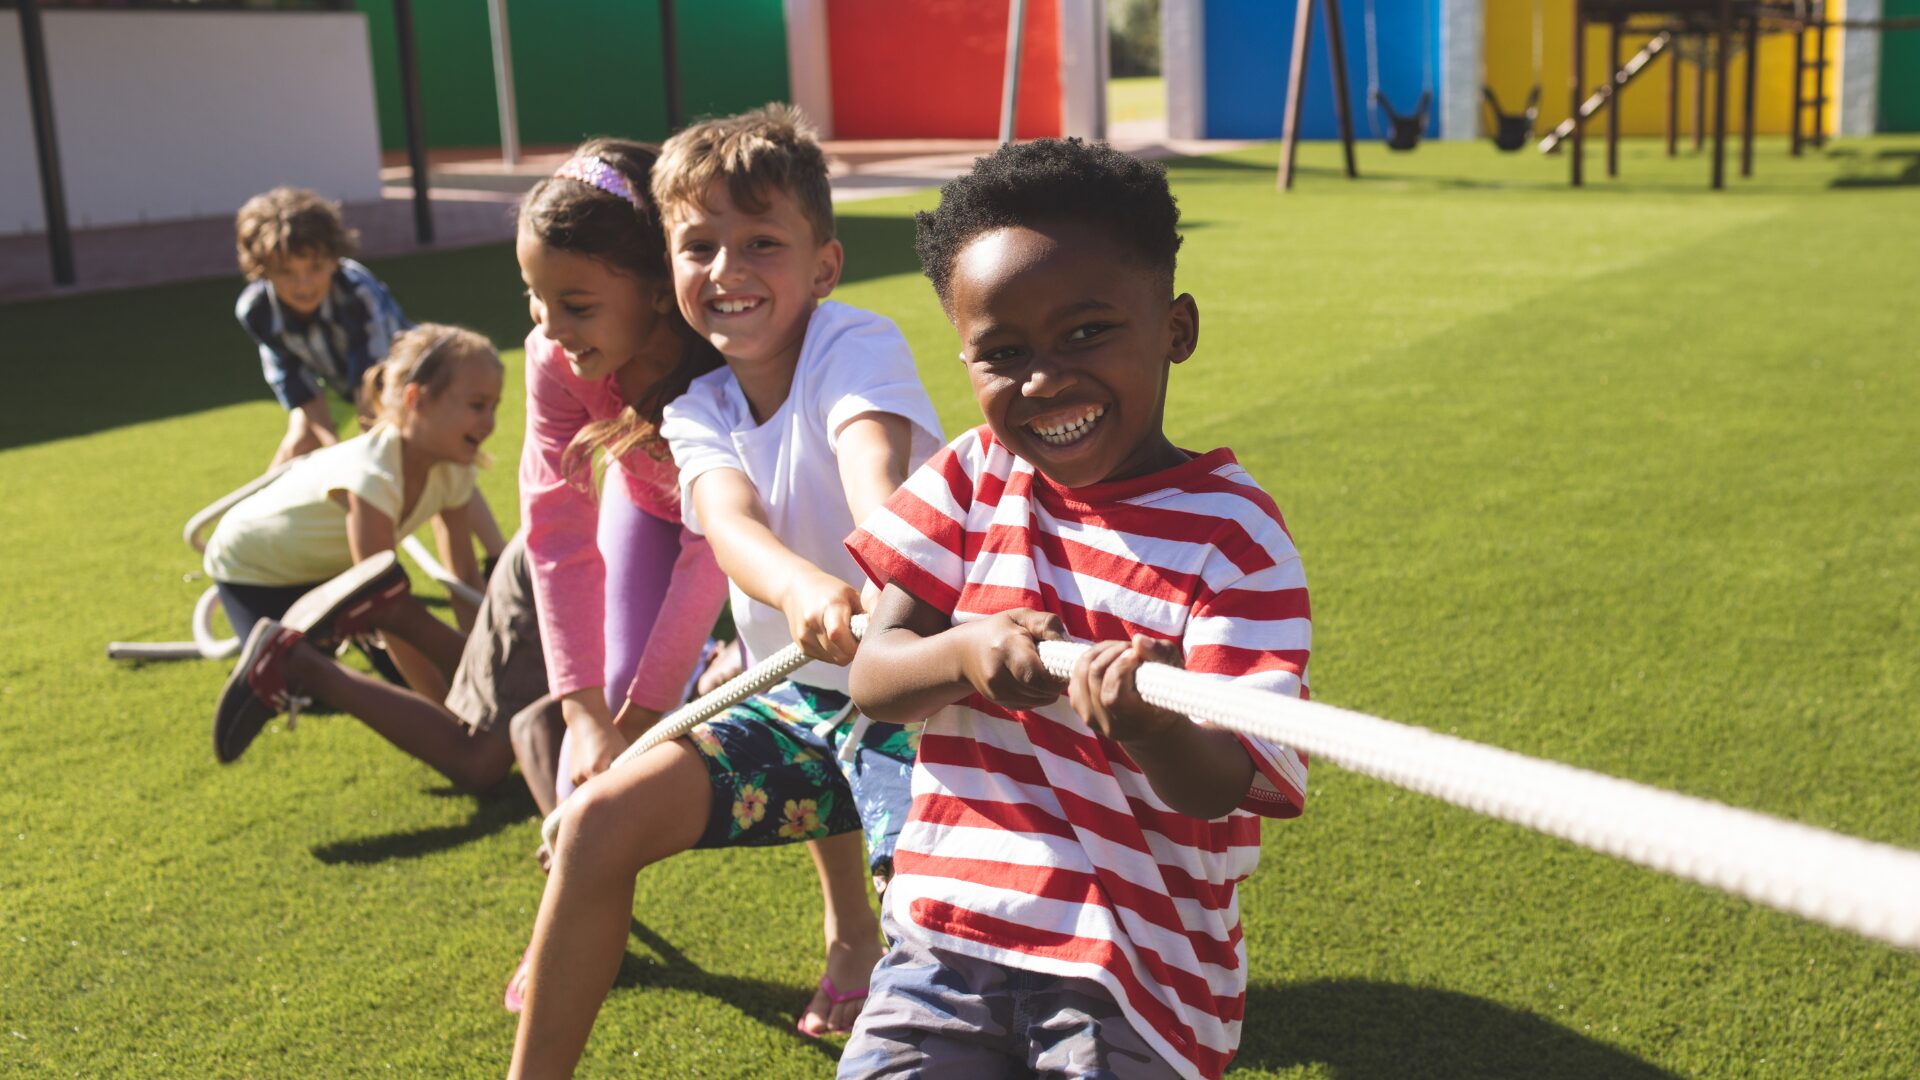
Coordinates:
x,y
1402,131
1513,131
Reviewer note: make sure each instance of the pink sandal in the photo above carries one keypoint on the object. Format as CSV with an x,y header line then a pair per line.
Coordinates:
x,y
834,997
511,1000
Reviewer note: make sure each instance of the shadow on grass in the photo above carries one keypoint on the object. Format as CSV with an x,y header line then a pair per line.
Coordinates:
x,y
1364,1030
876,246
112,359
773,1004
1874,175
506,806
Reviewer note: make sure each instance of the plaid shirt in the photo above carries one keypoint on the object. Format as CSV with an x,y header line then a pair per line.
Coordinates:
x,y
336,346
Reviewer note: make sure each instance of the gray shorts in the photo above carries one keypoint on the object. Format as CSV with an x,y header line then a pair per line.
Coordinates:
x,y
933,1014
502,670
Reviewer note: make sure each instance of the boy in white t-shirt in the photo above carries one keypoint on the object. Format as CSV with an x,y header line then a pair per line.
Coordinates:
x,y
818,416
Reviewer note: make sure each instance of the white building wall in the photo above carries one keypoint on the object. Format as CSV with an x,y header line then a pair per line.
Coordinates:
x,y
20,209
1183,64
1083,68
168,115
809,66
1462,40
1860,72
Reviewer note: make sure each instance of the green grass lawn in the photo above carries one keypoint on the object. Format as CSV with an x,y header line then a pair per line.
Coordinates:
x,y
1624,477
1139,97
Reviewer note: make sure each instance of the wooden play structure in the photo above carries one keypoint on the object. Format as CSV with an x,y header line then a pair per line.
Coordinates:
x,y
1714,26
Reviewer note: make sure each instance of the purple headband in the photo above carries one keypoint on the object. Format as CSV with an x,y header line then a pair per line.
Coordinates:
x,y
594,172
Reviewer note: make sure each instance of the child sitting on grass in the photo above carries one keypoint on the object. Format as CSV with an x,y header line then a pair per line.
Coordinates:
x,y
318,317
286,551
1063,899
817,417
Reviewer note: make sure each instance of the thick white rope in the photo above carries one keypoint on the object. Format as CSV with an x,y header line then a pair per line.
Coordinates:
x,y
204,521
204,646
1841,881
761,676
432,567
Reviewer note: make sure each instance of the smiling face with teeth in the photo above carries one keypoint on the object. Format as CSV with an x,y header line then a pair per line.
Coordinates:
x,y
747,279
1068,341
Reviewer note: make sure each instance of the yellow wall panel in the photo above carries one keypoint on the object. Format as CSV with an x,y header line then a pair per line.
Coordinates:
x,y
1643,104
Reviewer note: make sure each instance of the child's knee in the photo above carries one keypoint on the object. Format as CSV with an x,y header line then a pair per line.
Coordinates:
x,y
538,727
595,832
485,768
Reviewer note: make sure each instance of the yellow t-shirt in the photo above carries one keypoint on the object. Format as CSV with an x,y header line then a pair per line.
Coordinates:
x,y
291,532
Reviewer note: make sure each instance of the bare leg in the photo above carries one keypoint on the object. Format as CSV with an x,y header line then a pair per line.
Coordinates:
x,y
409,620
612,828
421,727
536,732
422,675
851,929
485,528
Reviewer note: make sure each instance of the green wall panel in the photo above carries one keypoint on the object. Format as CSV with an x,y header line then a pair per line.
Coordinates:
x,y
581,67
456,72
1899,71
587,67
733,55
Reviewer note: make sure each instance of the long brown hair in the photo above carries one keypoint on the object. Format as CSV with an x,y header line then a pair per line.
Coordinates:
x,y
574,216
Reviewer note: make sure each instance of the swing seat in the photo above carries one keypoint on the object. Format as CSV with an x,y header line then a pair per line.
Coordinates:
x,y
1513,131
1403,132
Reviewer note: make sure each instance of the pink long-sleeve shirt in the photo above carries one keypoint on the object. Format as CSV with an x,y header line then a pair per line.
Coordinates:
x,y
561,515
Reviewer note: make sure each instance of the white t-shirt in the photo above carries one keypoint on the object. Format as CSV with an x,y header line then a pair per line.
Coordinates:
x,y
291,532
852,362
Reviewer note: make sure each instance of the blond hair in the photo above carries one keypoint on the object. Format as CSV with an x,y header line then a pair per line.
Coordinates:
x,y
758,152
425,356
287,222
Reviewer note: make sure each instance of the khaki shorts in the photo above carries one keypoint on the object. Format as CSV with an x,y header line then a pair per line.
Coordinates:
x,y
502,670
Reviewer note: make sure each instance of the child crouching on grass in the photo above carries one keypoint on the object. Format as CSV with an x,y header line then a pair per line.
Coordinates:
x,y
310,556
319,318
1063,899
817,417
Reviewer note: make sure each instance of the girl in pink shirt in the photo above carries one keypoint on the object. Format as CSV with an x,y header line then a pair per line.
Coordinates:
x,y
625,596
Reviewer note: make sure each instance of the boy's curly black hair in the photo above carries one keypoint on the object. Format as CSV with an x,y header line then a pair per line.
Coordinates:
x,y
1053,180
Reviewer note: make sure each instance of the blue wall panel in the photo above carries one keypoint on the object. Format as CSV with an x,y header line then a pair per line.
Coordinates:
x,y
1248,43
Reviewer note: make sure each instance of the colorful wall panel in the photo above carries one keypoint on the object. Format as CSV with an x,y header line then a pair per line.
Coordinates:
x,y
1900,71
1246,52
581,67
1643,105
933,68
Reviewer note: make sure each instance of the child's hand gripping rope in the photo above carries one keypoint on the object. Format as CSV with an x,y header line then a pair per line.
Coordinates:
x,y
1838,880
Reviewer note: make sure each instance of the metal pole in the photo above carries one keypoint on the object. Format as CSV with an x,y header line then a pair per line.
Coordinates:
x,y
1296,85
1574,80
1819,134
1613,97
503,82
46,142
1700,97
1010,89
1673,100
416,124
1722,47
1337,48
1746,100
670,65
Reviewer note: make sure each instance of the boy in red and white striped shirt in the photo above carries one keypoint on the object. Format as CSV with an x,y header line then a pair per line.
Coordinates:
x,y
1064,892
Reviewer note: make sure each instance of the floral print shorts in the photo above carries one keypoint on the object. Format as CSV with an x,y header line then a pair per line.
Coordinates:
x,y
778,777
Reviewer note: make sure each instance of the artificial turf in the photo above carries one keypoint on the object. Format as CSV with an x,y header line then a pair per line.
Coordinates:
x,y
1625,477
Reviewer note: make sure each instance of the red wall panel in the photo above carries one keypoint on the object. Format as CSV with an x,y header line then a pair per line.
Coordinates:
x,y
932,69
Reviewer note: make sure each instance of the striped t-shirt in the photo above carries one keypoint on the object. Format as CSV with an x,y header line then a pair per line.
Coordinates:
x,y
1033,841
